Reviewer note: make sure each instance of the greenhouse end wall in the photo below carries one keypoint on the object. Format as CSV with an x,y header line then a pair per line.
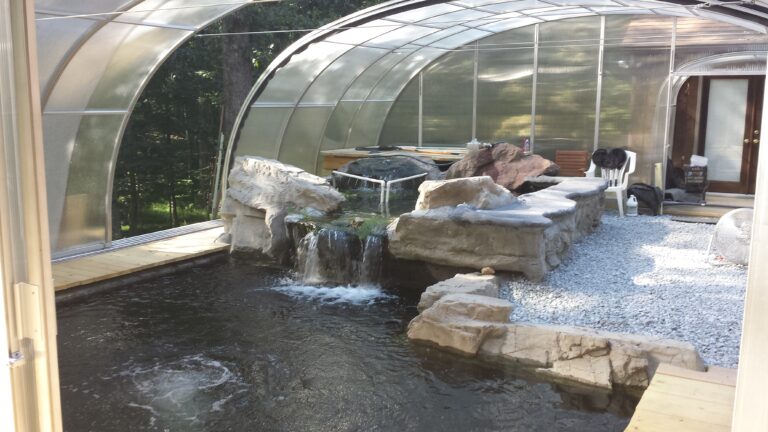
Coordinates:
x,y
576,83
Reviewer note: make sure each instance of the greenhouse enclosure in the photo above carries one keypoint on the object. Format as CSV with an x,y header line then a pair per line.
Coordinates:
x,y
569,75
668,80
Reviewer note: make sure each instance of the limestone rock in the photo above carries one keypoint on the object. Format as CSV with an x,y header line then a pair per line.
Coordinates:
x,y
476,192
472,283
487,271
461,322
261,192
476,324
505,163
530,236
265,183
589,370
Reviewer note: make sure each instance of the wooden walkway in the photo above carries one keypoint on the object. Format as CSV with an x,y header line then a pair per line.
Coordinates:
x,y
111,264
681,400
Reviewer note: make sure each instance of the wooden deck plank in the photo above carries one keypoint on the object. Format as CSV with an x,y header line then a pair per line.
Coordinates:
x,y
121,262
687,401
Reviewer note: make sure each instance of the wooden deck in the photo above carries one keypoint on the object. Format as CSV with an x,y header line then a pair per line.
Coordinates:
x,y
682,400
111,264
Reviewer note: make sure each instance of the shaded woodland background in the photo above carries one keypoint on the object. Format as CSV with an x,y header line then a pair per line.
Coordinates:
x,y
168,157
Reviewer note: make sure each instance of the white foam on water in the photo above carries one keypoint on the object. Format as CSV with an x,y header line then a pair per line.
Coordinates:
x,y
357,295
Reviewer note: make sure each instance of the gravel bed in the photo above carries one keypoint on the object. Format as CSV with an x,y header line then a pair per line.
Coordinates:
x,y
643,275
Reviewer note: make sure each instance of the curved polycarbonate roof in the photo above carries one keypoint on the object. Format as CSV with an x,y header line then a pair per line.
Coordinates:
x,y
93,65
334,88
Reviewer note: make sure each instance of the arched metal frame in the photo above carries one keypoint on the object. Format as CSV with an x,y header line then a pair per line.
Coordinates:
x,y
96,58
93,69
305,129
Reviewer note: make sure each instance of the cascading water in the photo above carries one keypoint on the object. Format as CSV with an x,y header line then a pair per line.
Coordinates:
x,y
373,257
331,256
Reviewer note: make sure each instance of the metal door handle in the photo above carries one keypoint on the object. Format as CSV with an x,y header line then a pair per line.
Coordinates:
x,y
756,141
746,141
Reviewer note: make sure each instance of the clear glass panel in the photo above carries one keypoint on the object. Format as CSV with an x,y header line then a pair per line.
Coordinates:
x,y
401,36
456,18
59,132
519,5
402,125
635,68
504,86
364,84
262,132
290,81
699,38
365,32
442,34
457,40
81,6
392,84
187,13
425,12
301,142
84,217
509,24
337,130
54,39
723,139
567,86
333,82
747,63
130,63
447,100
368,123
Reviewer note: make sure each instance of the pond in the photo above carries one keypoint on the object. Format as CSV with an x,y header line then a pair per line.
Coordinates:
x,y
238,347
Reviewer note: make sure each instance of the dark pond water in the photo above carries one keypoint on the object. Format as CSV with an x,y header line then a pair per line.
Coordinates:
x,y
235,347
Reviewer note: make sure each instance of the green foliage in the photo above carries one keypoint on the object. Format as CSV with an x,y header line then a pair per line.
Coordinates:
x,y
167,160
373,225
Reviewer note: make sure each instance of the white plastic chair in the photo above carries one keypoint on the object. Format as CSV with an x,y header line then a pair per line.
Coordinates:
x,y
618,178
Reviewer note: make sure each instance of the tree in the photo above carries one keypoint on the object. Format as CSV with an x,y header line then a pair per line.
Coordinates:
x,y
167,160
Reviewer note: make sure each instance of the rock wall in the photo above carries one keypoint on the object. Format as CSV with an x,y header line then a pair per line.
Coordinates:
x,y
530,235
261,193
479,324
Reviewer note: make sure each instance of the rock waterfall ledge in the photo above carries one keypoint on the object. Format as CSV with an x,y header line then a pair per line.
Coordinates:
x,y
478,324
530,234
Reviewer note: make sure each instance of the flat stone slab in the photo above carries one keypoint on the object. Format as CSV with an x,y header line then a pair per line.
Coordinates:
x,y
475,324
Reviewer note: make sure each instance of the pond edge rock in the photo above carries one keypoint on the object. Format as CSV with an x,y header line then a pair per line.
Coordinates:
x,y
464,315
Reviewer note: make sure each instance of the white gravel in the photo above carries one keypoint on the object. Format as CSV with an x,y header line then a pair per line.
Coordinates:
x,y
643,275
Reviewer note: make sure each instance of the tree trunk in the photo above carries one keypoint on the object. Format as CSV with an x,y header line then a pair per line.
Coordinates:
x,y
133,214
238,70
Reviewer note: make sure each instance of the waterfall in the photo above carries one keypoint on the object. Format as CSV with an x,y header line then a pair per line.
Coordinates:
x,y
331,256
308,257
370,266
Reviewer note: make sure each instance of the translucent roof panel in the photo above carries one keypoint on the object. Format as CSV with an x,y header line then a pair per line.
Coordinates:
x,y
333,87
95,57
411,35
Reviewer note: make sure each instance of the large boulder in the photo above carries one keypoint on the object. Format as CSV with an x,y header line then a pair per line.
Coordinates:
x,y
264,183
505,163
476,192
261,193
531,235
